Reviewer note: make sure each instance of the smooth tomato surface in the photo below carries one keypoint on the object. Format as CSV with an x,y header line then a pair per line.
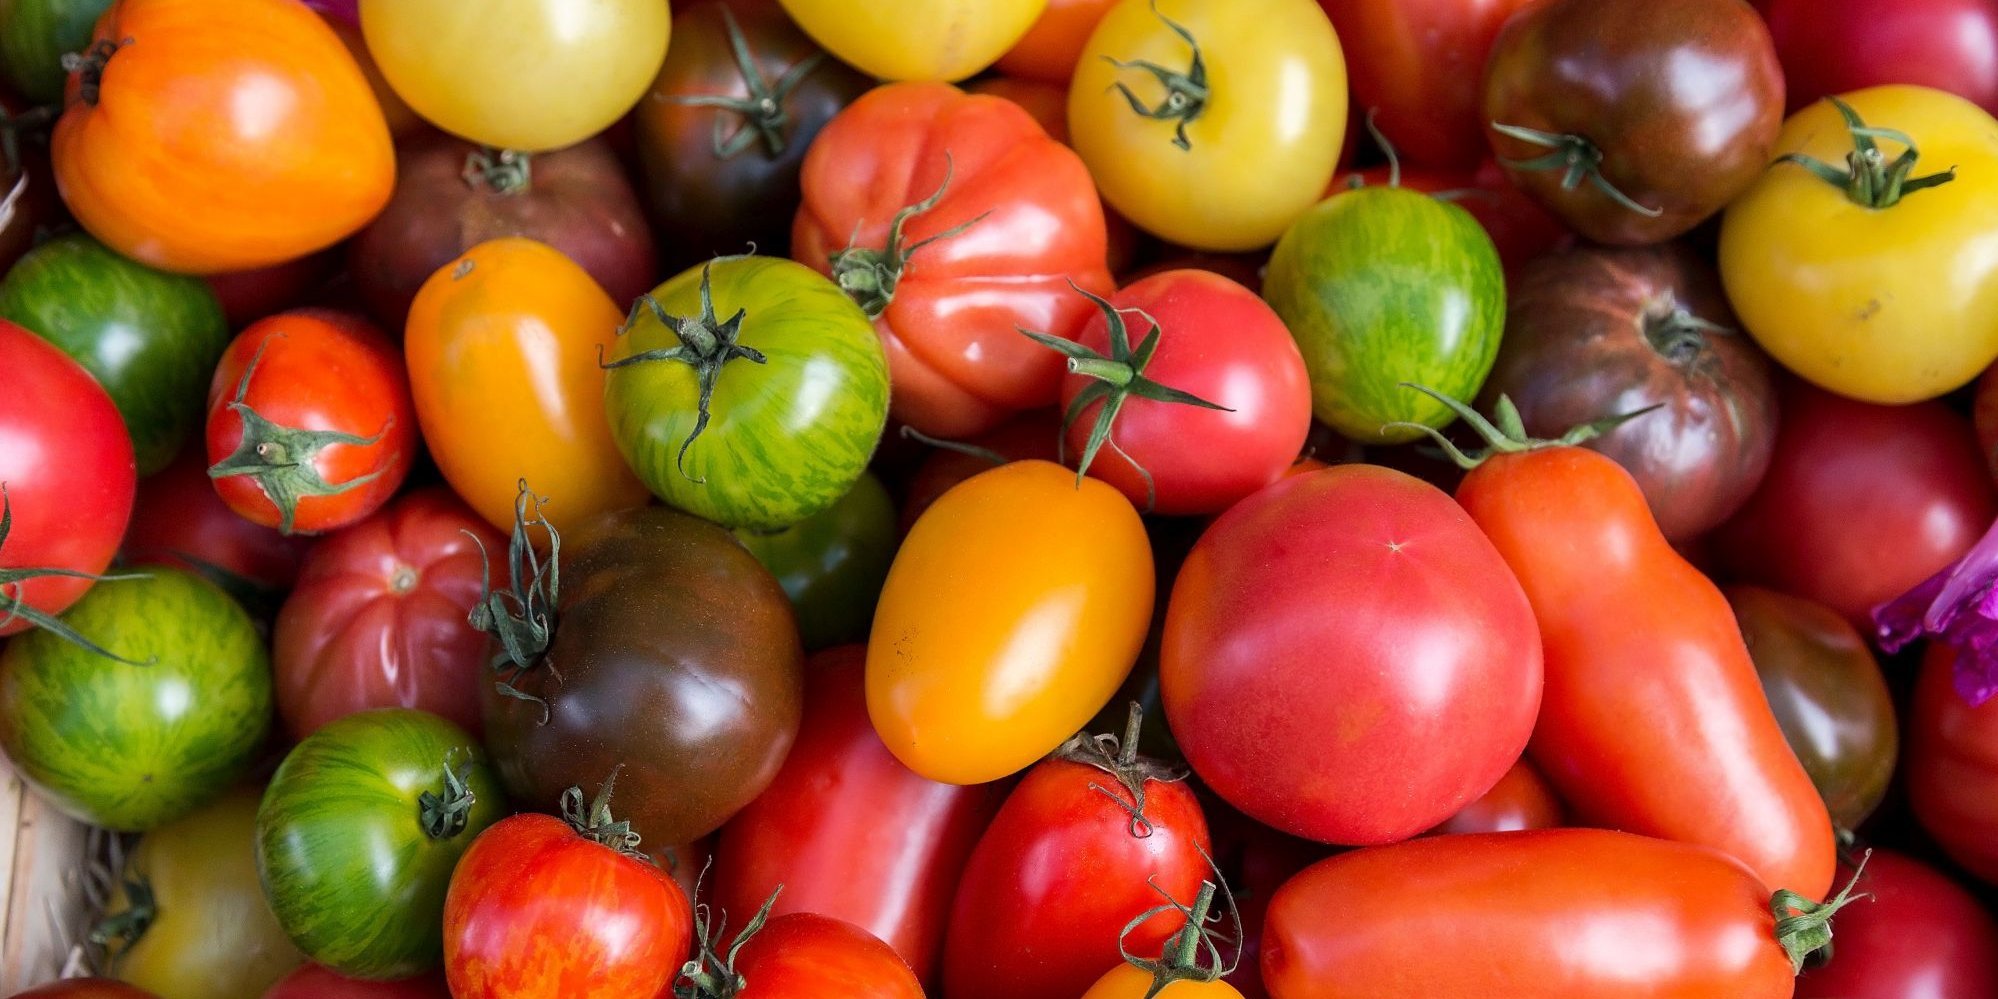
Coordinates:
x,y
1952,762
917,39
1918,936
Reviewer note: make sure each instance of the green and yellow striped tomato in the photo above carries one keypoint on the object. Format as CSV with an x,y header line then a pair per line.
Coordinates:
x,y
133,742
750,391
359,832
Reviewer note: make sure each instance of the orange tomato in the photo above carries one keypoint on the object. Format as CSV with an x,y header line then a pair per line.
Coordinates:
x,y
1051,48
502,346
220,135
1128,981
1014,610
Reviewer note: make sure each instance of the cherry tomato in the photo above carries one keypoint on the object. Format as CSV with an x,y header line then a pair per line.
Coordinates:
x,y
1835,46
800,956
1520,800
1952,764
1050,50
1916,935
917,39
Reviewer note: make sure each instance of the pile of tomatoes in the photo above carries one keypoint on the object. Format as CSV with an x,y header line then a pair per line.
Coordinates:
x,y
1094,499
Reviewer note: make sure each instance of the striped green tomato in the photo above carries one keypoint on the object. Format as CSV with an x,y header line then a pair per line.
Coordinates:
x,y
134,744
1384,285
750,391
359,832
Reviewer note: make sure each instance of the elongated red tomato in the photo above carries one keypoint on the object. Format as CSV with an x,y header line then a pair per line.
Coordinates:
x,y
801,956
1952,767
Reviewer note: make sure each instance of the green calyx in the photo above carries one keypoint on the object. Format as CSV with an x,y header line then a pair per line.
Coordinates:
x,y
869,276
282,459
120,931
522,616
12,607
89,65
706,344
596,824
1803,927
761,111
1116,378
1508,435
1186,92
506,171
1193,954
1121,761
1577,158
446,815
1870,179
712,975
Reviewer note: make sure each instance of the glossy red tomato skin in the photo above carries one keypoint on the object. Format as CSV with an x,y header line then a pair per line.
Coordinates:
x,y
536,911
1952,767
248,296
1346,658
1836,46
378,618
66,462
1860,503
809,956
312,981
848,830
1059,873
178,517
1522,799
1918,935
1525,914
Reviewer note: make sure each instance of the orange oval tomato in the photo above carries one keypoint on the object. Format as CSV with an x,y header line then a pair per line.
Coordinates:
x,y
1014,610
204,136
502,346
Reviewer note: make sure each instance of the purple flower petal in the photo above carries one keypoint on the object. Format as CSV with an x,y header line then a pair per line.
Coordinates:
x,y
1903,619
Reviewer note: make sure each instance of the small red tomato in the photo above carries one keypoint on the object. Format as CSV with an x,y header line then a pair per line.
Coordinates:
x,y
1520,800
310,423
1837,46
800,956
1952,766
1916,935
311,981
180,521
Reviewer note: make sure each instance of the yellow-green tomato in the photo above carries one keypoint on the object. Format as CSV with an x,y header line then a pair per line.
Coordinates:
x,y
916,39
1211,123
1014,610
529,75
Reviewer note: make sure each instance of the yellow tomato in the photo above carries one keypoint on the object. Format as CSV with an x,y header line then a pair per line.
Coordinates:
x,y
519,74
1015,608
1127,981
1881,299
1234,135
916,39
502,346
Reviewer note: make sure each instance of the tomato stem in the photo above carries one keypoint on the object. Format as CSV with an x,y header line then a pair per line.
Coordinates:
x,y
1121,761
973,450
1192,953
521,617
13,606
506,171
1577,157
596,823
869,276
1508,434
1870,180
1186,93
89,65
444,816
761,110
1803,927
125,928
698,980
1674,332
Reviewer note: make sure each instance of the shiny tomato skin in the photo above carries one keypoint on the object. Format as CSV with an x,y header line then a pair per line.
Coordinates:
x,y
1918,935
1128,981
1525,914
180,521
1050,49
312,981
818,829
809,956
1836,46
536,911
1347,659
1520,800
1952,766
1033,434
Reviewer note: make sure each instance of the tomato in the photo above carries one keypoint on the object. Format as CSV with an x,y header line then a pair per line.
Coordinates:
x,y
1828,695
85,988
1193,421
187,918
179,521
1861,503
917,39
1520,800
955,222
788,432
1917,935
342,17
1189,967
1952,762
818,829
611,669
1322,636
314,982
1225,163
1666,111
1833,47
565,907
1120,824
378,617
1614,601
248,296
1599,332
723,131
453,195
1047,102
526,75
800,956
36,34
832,564
502,350
1890,296
150,338
1256,860
1033,434
66,480
1050,50
1015,608
315,434
359,831
1527,913
136,742
220,135
1382,286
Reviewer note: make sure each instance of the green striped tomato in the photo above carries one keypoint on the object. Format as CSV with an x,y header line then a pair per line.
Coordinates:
x,y
788,371
359,831
132,745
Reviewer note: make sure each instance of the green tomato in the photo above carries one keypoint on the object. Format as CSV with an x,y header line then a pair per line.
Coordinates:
x,y
36,34
755,405
358,834
832,564
131,745
151,338
1381,286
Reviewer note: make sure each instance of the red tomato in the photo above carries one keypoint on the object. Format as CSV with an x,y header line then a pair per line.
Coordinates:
x,y
1047,102
311,981
1835,46
1952,767
1256,864
310,422
850,832
803,956
1520,800
1861,502
1051,48
1072,857
1347,659
951,283
248,296
541,907
179,520
1033,435
68,477
1916,935
379,616
1519,227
